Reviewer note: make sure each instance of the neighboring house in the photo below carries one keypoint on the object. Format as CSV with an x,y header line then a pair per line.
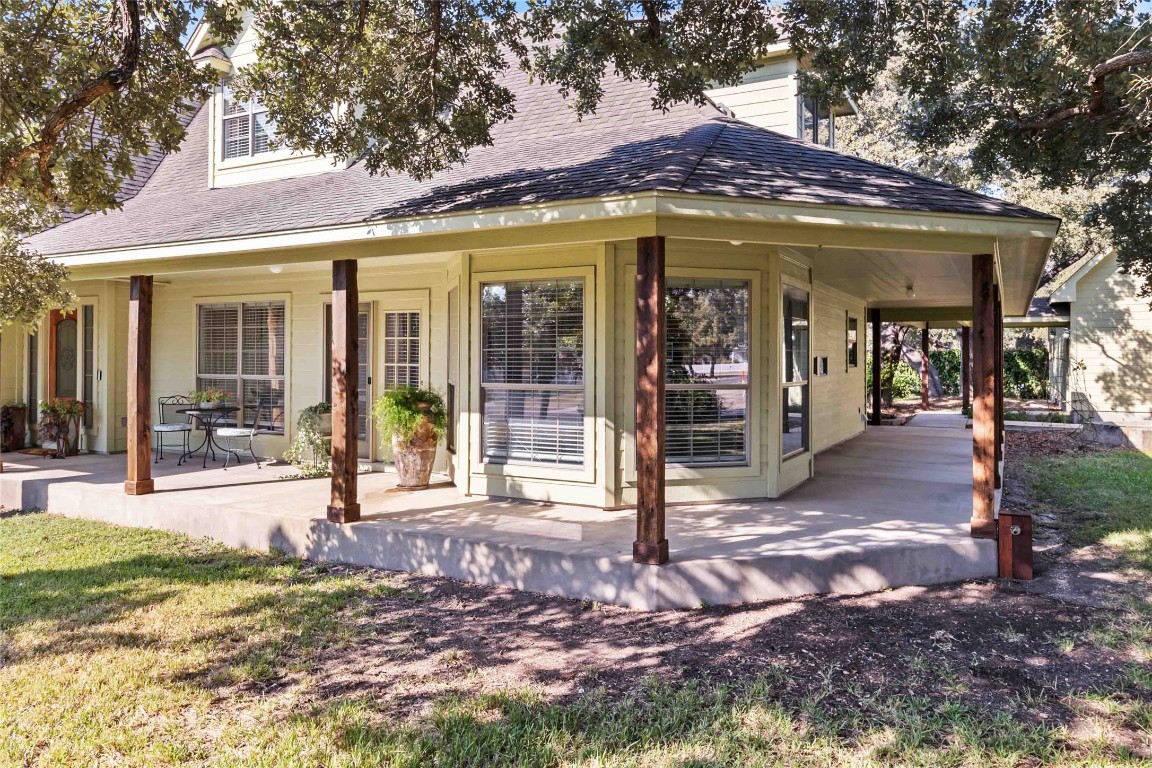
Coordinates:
x,y
1100,339
509,283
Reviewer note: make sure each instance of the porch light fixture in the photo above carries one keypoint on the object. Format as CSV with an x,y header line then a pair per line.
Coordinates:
x,y
276,269
910,291
736,242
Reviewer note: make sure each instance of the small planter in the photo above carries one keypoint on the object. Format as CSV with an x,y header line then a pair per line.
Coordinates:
x,y
213,405
324,424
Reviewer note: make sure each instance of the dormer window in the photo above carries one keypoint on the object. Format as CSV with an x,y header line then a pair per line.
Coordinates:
x,y
246,130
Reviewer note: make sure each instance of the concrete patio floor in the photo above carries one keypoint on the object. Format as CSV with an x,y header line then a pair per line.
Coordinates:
x,y
887,508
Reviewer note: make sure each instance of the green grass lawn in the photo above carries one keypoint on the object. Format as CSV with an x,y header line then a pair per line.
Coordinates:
x,y
128,647
1105,497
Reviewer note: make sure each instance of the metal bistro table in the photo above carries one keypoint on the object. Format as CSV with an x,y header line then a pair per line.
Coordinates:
x,y
208,418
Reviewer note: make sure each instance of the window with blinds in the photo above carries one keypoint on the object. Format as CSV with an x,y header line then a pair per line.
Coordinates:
x,y
707,382
401,349
245,130
240,349
532,372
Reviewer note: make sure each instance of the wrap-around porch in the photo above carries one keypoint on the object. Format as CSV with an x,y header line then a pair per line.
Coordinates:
x,y
887,508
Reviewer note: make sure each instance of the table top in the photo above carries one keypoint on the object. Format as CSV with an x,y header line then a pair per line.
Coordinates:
x,y
224,409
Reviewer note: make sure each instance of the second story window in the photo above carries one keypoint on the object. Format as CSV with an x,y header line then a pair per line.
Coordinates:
x,y
817,123
246,129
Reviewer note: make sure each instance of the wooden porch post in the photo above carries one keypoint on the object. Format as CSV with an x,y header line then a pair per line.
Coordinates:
x,y
924,380
999,385
345,380
983,398
965,366
874,319
139,480
651,546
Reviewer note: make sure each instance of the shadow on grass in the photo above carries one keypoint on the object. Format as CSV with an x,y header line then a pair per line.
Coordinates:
x,y
255,611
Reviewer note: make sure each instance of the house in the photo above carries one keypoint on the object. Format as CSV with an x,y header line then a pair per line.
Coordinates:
x,y
541,286
1100,340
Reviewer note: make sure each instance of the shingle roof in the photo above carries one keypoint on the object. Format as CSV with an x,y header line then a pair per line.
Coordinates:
x,y
544,154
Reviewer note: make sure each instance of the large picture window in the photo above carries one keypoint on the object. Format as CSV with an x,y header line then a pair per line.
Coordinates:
x,y
532,371
795,396
706,385
240,349
245,128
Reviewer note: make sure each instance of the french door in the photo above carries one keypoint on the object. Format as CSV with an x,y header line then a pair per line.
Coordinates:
x,y
72,373
364,429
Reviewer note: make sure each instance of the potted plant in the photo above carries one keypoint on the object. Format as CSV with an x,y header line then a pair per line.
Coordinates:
x,y
415,419
60,424
310,452
210,398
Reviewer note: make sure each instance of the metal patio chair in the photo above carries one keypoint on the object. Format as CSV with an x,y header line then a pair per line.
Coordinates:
x,y
171,423
234,438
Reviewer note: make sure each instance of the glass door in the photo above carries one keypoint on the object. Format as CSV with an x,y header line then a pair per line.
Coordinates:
x,y
365,431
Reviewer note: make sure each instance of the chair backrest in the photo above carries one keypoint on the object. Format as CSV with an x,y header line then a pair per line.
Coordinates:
x,y
169,405
263,411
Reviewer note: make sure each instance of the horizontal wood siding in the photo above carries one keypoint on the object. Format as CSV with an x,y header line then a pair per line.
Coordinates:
x,y
766,97
838,398
1111,334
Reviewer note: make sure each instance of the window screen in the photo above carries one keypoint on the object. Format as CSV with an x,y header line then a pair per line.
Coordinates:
x,y
245,130
240,349
706,385
532,371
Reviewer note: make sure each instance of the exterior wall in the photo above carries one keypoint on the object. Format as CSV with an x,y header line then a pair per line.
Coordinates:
x,y
838,397
608,476
12,354
766,97
305,295
1111,334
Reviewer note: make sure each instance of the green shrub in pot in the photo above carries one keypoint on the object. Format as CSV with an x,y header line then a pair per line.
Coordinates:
x,y
415,420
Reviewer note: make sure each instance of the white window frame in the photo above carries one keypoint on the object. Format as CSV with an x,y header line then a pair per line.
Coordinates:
x,y
586,472
755,377
285,378
746,387
252,108
785,283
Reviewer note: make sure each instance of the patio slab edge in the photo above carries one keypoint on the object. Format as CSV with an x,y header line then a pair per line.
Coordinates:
x,y
689,583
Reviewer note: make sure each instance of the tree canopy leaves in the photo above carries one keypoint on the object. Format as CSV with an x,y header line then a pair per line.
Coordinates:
x,y
1050,90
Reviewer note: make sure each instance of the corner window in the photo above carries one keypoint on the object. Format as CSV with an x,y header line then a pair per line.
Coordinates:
x,y
794,429
532,372
706,385
240,349
852,341
245,128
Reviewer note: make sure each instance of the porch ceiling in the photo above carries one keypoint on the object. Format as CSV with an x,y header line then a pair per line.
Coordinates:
x,y
910,280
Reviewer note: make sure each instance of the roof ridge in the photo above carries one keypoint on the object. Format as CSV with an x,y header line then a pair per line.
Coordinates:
x,y
687,153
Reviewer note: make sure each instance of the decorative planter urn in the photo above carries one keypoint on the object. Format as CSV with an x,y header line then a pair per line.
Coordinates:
x,y
324,425
414,458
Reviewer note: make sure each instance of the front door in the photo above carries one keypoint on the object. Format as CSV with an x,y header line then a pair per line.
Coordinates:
x,y
365,431
63,355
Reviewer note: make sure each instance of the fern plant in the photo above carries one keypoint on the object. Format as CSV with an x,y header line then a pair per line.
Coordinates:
x,y
409,412
310,453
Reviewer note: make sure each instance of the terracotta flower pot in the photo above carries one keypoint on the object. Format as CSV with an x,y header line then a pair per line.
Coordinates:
x,y
414,458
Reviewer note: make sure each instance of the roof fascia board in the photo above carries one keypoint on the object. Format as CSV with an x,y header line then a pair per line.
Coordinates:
x,y
934,231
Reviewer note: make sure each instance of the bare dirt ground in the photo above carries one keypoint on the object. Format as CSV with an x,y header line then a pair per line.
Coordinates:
x,y
1028,649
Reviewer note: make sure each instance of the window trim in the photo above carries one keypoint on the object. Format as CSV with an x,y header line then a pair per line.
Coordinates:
x,y
786,281
288,423
756,382
586,472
